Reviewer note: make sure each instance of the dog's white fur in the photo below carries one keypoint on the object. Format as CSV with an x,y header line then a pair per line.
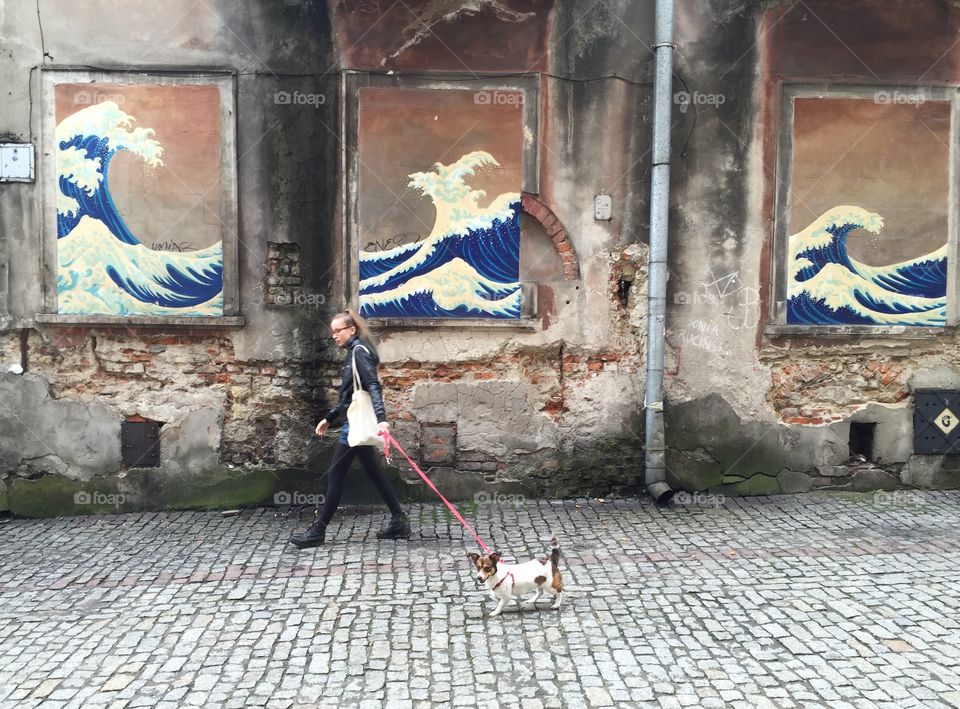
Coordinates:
x,y
505,582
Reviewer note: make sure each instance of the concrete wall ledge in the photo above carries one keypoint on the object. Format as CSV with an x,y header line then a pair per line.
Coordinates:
x,y
454,323
903,332
227,321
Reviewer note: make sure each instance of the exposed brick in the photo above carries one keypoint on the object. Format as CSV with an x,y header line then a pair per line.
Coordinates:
x,y
804,420
549,222
554,406
557,229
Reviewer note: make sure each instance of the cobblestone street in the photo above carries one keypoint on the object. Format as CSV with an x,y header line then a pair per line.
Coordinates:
x,y
833,600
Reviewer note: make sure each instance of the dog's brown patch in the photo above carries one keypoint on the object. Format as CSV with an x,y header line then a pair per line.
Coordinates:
x,y
557,581
539,580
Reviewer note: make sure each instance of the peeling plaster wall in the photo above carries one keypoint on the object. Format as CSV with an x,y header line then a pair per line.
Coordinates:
x,y
244,397
752,412
559,407
553,410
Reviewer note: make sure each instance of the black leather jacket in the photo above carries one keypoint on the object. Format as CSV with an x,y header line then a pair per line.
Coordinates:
x,y
367,362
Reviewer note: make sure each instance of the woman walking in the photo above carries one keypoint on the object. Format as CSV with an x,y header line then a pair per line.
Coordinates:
x,y
350,332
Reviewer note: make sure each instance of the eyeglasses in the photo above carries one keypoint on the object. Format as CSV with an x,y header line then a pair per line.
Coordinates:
x,y
338,330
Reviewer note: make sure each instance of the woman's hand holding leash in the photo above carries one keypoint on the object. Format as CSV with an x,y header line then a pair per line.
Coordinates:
x,y
383,428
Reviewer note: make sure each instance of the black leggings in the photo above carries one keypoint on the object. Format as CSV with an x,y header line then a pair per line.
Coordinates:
x,y
342,458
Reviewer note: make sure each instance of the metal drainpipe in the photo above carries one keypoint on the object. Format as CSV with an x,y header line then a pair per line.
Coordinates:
x,y
654,459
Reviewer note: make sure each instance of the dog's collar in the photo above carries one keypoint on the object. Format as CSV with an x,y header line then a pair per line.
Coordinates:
x,y
509,575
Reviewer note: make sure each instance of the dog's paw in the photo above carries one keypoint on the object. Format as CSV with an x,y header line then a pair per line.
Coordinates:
x,y
494,614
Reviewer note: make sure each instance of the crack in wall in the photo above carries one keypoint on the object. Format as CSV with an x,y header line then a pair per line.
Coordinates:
x,y
423,24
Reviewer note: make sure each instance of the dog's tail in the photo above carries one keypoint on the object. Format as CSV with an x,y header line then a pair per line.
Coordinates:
x,y
554,552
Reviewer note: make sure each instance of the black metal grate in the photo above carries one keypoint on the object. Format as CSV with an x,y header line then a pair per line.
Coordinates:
x,y
140,443
933,411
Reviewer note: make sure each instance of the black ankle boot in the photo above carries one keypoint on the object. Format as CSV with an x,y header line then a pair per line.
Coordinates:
x,y
313,536
399,528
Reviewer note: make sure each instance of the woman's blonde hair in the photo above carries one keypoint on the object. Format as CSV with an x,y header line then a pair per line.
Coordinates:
x,y
351,319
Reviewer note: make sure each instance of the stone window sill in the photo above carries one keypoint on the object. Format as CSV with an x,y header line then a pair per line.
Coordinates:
x,y
838,332
226,321
529,324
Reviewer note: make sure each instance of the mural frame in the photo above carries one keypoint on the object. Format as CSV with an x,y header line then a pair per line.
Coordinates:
x,y
352,81
779,279
225,83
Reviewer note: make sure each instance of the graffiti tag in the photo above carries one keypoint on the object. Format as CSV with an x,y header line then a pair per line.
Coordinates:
x,y
704,336
404,239
739,304
172,246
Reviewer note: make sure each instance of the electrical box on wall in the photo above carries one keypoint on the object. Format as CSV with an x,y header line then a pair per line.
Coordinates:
x,y
140,443
603,208
16,162
936,415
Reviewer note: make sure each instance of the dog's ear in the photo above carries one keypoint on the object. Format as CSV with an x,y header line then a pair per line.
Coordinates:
x,y
495,557
473,556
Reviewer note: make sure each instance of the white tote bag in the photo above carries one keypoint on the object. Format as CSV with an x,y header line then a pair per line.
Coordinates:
x,y
361,417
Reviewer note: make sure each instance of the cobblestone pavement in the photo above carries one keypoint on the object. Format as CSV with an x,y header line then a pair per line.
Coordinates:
x,y
814,600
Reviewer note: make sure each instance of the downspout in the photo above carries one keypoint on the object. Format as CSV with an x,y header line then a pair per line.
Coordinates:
x,y
654,459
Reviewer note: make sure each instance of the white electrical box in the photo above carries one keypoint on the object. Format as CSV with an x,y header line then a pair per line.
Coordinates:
x,y
603,208
16,162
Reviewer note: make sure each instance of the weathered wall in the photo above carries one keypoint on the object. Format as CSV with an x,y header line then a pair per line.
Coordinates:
x,y
225,397
553,408
558,408
778,408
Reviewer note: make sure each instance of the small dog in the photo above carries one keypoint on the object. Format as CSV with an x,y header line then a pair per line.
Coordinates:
x,y
506,582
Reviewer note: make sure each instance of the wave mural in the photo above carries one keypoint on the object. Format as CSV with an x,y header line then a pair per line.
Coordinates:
x,y
468,266
103,267
829,287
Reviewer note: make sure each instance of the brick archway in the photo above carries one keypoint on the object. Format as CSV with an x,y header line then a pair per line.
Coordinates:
x,y
554,227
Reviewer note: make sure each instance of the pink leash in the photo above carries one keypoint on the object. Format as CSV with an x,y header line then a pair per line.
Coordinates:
x,y
387,439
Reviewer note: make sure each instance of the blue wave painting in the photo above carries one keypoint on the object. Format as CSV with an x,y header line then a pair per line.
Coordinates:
x,y
469,265
103,267
829,287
